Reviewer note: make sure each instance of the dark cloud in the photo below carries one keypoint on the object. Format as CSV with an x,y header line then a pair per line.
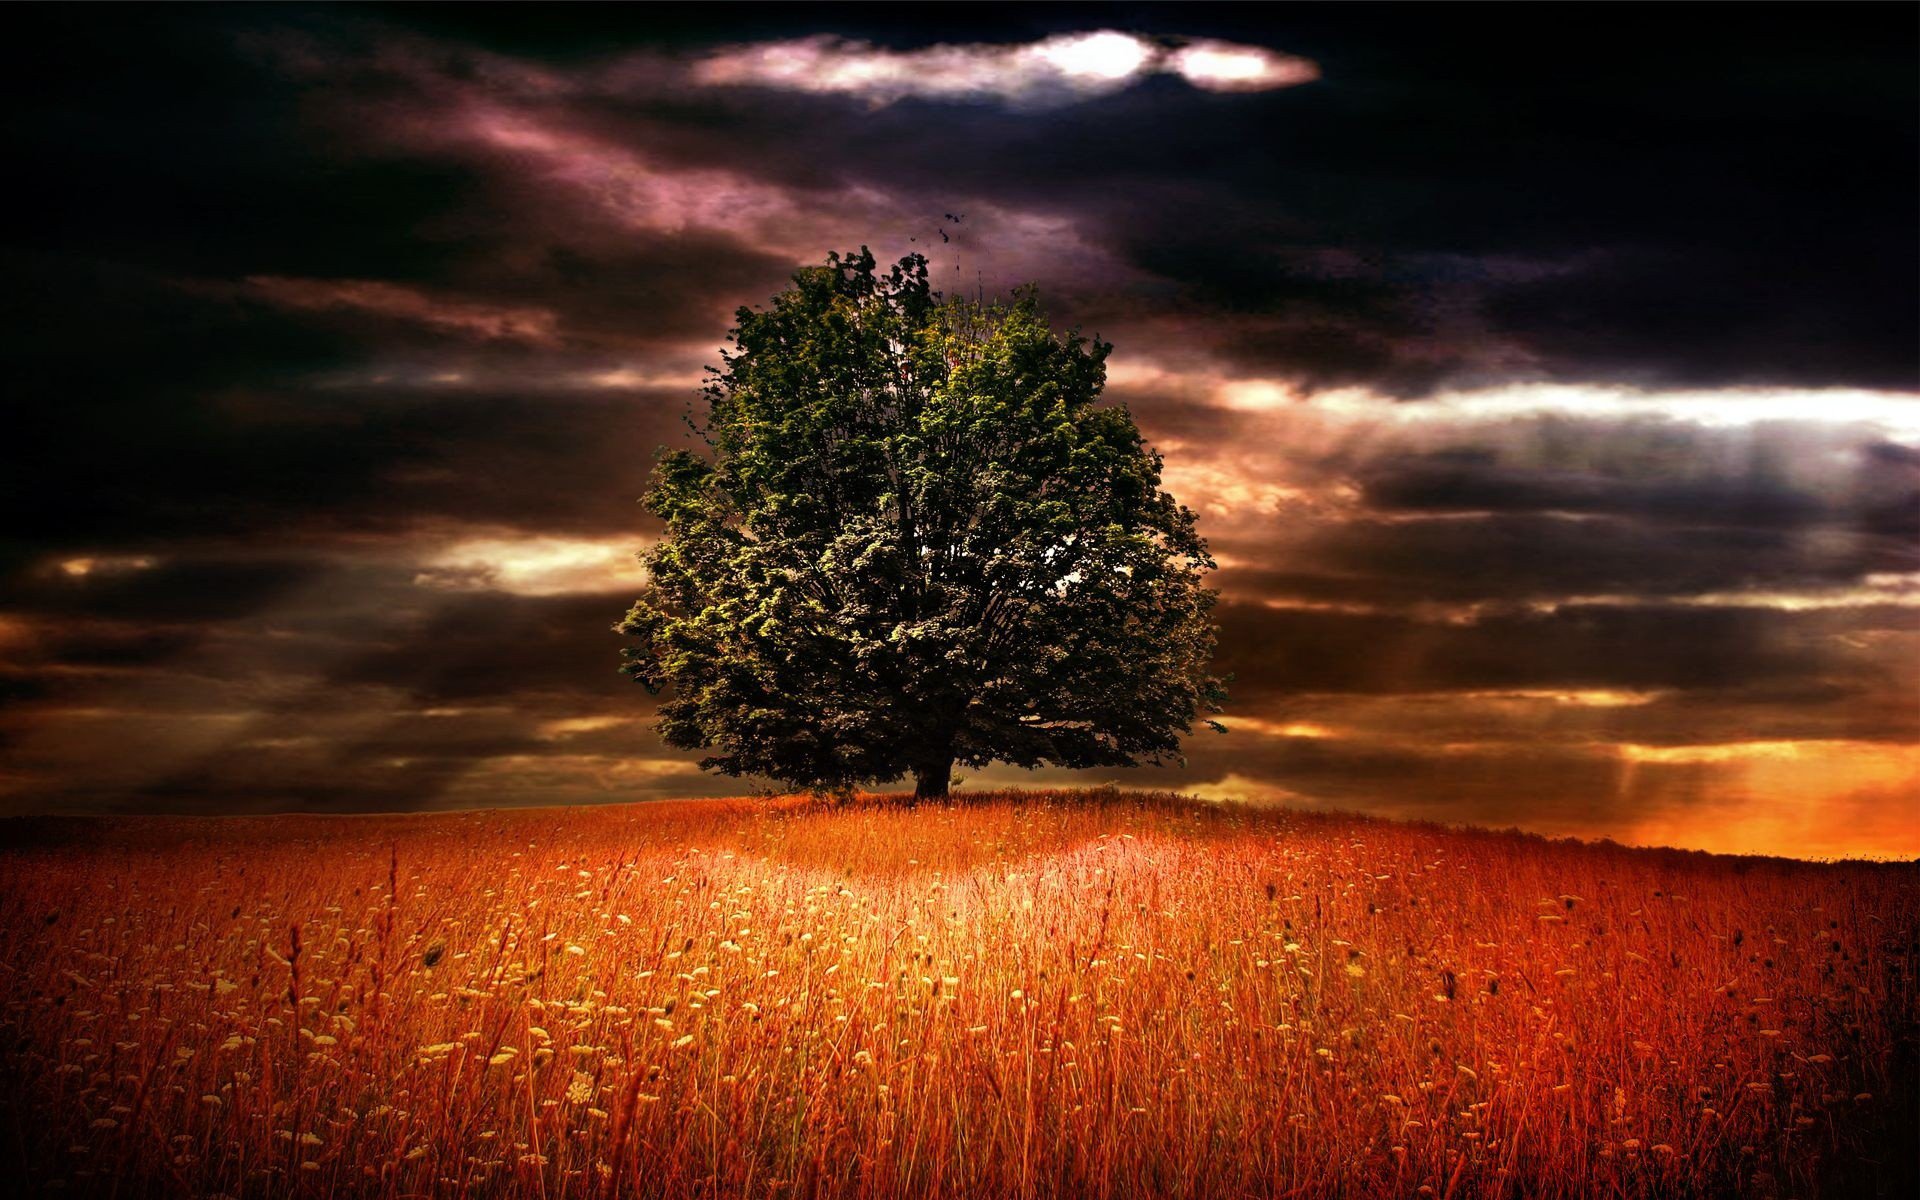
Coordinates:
x,y
1276,651
506,649
1532,557
1474,479
158,593
1808,316
206,417
1672,202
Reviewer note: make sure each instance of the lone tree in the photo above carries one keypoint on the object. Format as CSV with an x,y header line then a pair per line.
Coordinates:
x,y
918,540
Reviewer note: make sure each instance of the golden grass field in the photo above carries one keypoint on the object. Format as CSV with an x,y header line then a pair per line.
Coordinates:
x,y
1040,994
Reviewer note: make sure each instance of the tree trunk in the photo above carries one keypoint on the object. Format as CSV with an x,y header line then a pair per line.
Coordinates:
x,y
931,779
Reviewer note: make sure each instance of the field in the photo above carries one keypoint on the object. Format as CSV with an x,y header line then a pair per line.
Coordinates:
x,y
1039,994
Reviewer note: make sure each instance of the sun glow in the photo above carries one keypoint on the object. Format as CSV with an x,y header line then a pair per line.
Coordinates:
x,y
1809,798
1753,752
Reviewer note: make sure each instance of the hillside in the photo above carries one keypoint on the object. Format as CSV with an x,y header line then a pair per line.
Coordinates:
x,y
1040,994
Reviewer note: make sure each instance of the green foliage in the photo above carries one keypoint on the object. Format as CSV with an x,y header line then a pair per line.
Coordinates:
x,y
918,540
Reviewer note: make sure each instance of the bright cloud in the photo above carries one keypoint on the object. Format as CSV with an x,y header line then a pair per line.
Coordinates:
x,y
1577,698
1060,69
105,564
1895,589
1229,491
1810,599
563,728
1895,413
1284,729
1235,788
1228,67
533,566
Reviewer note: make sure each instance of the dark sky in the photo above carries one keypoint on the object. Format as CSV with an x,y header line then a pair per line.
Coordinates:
x,y
1545,378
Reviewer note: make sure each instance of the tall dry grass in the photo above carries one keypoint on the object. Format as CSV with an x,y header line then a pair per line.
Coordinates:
x,y
1039,994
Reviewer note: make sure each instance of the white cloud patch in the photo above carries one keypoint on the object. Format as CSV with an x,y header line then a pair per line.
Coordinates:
x,y
1061,69
1229,67
1890,413
1893,413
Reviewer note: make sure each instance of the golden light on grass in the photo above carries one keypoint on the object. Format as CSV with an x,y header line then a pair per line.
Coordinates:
x,y
1048,994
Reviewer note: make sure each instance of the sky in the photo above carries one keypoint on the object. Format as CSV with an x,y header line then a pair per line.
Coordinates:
x,y
1544,378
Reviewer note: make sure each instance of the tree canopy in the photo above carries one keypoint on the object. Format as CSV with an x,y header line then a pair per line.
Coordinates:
x,y
918,539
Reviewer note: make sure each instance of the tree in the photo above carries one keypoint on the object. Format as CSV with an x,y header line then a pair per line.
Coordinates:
x,y
918,540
